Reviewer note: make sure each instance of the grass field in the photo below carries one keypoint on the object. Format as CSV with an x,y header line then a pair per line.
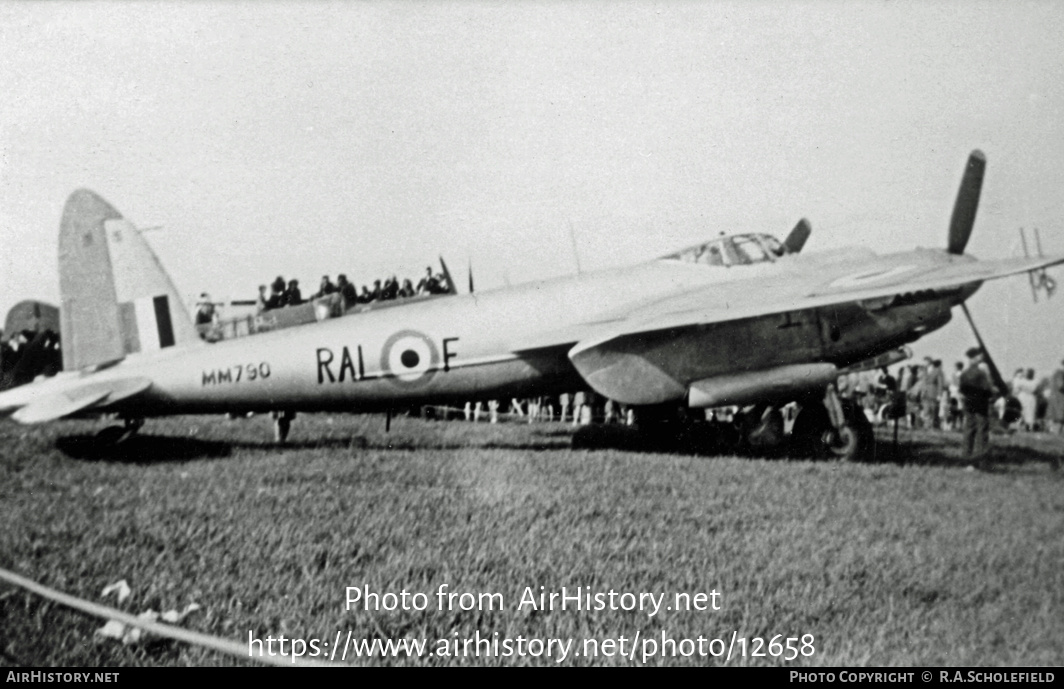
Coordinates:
x,y
909,560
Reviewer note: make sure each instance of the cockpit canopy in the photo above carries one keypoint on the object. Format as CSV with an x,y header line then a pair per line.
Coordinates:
x,y
733,250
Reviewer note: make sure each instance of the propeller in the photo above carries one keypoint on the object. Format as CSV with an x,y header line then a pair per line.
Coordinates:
x,y
470,277
960,224
798,237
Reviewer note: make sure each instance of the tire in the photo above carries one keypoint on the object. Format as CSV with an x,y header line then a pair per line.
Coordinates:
x,y
814,436
807,433
844,443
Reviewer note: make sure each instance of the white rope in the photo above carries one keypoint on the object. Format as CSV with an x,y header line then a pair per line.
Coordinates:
x,y
232,648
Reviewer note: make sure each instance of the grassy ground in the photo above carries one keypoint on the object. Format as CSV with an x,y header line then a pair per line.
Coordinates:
x,y
909,560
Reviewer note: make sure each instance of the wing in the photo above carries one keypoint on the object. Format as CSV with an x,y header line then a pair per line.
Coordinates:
x,y
621,357
753,297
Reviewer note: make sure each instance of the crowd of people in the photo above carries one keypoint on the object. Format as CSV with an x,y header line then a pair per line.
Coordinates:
x,y
42,352
281,293
927,396
577,408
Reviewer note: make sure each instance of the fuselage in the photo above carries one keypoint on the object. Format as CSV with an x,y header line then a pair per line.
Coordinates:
x,y
515,341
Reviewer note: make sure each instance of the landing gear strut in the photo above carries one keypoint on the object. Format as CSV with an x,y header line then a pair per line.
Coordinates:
x,y
282,423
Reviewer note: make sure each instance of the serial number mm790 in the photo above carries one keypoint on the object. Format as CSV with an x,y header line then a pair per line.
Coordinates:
x,y
236,374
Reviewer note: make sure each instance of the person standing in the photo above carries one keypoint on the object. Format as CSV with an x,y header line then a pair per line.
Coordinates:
x,y
325,288
205,313
347,291
292,296
428,284
913,396
261,304
956,402
579,401
931,394
276,299
977,391
1055,399
1024,388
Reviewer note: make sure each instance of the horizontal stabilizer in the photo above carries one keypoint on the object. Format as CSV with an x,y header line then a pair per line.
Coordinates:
x,y
79,398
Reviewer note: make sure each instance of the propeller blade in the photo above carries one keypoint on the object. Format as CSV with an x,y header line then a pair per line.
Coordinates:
x,y
470,278
960,224
798,236
995,373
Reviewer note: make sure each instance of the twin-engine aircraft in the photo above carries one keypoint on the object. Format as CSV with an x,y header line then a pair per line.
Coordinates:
x,y
737,320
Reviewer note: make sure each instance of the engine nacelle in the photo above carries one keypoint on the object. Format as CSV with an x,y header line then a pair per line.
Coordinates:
x,y
779,383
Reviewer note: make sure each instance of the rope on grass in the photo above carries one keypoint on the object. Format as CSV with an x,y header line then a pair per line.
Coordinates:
x,y
226,646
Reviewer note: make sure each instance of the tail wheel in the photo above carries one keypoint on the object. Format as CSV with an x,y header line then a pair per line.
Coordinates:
x,y
112,436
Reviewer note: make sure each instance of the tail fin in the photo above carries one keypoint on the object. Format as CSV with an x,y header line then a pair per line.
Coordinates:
x,y
116,297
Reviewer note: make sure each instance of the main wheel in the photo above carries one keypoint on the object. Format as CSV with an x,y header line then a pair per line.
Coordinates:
x,y
814,436
809,429
844,443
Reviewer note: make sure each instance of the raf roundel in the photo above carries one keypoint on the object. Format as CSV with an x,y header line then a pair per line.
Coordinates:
x,y
409,358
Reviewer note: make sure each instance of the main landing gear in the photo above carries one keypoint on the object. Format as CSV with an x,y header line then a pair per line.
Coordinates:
x,y
824,427
832,427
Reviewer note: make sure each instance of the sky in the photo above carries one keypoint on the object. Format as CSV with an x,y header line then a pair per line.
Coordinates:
x,y
526,138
